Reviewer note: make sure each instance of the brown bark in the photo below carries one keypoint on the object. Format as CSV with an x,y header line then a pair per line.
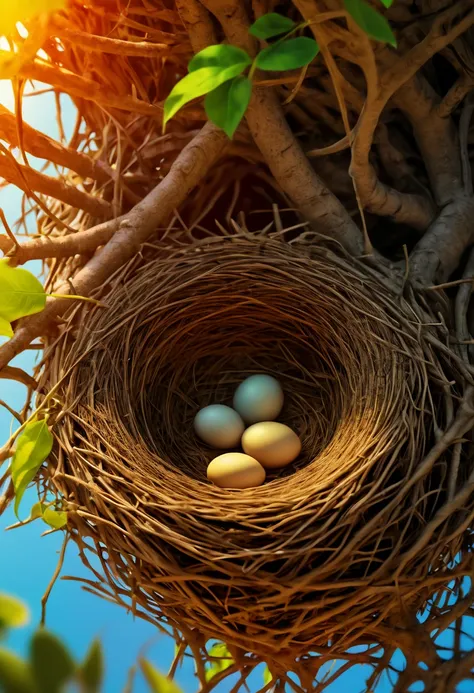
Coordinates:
x,y
28,179
438,253
45,147
281,150
135,228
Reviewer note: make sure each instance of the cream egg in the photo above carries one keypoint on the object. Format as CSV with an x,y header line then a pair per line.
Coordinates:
x,y
219,426
259,398
235,470
273,444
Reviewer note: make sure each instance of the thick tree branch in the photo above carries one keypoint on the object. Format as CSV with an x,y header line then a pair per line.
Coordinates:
x,y
135,228
376,197
281,150
198,23
455,95
104,44
45,147
82,88
437,254
436,137
437,38
28,179
80,243
17,374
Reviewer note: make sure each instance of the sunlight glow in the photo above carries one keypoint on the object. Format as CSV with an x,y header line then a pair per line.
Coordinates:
x,y
22,30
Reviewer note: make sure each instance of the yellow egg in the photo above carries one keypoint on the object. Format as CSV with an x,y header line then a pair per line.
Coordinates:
x,y
219,426
235,470
258,398
273,444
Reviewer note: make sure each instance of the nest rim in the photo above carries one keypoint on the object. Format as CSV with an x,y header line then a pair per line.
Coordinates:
x,y
253,613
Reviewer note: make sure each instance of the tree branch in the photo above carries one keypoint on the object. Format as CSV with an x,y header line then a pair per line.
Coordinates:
x,y
281,150
375,196
198,23
82,88
19,376
455,95
80,243
105,44
28,179
135,228
436,137
437,254
45,147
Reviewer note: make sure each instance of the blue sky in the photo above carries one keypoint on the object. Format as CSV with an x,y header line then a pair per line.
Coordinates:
x,y
29,560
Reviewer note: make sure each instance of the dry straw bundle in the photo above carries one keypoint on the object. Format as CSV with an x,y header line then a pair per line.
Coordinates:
x,y
329,550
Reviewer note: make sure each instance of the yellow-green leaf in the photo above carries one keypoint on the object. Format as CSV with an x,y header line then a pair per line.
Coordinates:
x,y
24,10
5,328
55,518
226,105
267,676
15,674
222,55
51,661
157,682
21,293
290,54
32,448
13,613
196,84
222,662
270,25
91,673
37,511
369,20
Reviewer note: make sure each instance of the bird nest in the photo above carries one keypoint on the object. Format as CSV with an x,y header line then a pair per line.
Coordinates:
x,y
330,549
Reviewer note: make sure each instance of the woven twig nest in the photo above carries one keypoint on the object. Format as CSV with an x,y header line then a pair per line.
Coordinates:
x,y
329,549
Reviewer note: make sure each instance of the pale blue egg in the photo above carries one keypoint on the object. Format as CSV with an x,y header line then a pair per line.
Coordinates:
x,y
259,398
219,426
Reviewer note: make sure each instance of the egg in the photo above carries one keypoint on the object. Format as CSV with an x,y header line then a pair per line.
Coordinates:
x,y
273,444
235,470
258,398
219,426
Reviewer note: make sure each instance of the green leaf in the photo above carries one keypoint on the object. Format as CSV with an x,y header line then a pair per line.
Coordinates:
x,y
15,674
32,448
288,55
13,613
226,105
5,328
158,683
21,293
37,511
51,662
91,672
267,676
221,56
226,660
55,518
196,84
387,3
271,24
370,21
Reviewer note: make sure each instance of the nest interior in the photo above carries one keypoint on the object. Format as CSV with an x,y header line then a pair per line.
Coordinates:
x,y
326,549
